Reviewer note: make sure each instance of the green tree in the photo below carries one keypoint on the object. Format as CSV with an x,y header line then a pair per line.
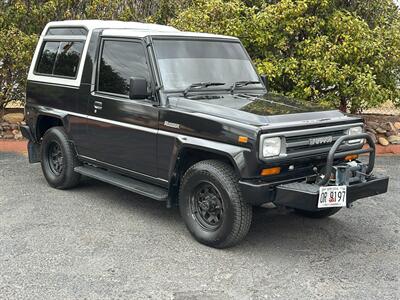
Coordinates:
x,y
342,53
15,54
337,53
22,21
219,17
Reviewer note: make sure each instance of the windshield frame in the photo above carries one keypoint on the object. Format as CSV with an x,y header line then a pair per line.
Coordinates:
x,y
224,88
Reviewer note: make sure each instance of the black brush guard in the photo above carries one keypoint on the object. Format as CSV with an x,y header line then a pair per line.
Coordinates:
x,y
305,196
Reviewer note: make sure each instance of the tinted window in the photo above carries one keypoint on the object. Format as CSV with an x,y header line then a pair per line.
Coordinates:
x,y
66,31
184,62
121,60
167,49
68,58
48,58
60,58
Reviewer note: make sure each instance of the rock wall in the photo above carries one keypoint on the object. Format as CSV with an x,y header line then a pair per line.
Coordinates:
x,y
9,126
385,130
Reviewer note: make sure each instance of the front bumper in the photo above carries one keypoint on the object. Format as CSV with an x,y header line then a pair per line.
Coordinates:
x,y
305,196
301,195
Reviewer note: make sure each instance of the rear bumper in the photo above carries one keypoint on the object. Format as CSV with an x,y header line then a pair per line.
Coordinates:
x,y
305,196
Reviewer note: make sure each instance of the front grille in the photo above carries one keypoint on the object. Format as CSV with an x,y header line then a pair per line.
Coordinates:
x,y
298,145
302,142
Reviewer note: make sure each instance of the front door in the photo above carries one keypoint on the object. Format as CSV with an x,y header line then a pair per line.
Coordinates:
x,y
122,132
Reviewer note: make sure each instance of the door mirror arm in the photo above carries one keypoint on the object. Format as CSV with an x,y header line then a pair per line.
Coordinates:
x,y
264,81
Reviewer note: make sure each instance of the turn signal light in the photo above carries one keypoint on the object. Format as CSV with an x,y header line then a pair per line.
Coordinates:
x,y
243,139
351,157
271,171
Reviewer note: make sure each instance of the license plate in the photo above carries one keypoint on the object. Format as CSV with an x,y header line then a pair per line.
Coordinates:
x,y
332,196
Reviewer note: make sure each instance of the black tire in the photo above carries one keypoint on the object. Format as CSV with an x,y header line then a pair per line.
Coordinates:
x,y
318,214
58,159
212,206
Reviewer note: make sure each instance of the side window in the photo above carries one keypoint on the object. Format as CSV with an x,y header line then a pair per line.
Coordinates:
x,y
121,60
60,58
68,58
47,58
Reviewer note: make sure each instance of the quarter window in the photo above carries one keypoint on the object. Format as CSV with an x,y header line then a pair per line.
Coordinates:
x,y
48,57
60,58
68,57
121,60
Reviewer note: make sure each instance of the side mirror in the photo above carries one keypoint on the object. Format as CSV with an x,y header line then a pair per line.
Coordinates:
x,y
138,88
264,80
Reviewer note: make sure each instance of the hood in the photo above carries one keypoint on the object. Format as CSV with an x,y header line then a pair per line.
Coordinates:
x,y
254,109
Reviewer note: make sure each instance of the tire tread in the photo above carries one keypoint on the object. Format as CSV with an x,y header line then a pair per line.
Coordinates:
x,y
243,213
71,178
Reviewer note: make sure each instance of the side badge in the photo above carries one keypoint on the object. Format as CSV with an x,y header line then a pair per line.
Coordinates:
x,y
172,125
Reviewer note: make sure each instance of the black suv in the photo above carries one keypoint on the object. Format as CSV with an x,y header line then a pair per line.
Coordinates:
x,y
184,118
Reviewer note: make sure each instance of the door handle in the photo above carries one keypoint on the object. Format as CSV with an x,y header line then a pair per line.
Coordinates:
x,y
97,105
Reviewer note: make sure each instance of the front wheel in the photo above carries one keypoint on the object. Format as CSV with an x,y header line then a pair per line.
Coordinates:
x,y
58,159
212,206
318,214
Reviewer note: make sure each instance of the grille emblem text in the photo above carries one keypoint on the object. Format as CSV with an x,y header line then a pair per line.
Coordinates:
x,y
320,140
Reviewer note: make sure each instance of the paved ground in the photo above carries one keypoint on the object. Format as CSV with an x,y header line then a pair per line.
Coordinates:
x,y
98,241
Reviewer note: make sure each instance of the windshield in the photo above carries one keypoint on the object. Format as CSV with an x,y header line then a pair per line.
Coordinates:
x,y
184,62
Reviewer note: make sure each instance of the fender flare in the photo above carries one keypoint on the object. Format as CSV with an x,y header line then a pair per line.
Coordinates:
x,y
235,154
42,111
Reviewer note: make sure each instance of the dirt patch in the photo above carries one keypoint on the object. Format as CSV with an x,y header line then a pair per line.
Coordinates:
x,y
11,111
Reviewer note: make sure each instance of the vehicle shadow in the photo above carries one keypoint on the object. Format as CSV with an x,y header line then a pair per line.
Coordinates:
x,y
277,230
122,199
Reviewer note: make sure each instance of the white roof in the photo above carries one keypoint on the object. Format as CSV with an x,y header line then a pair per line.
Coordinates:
x,y
131,29
93,24
144,33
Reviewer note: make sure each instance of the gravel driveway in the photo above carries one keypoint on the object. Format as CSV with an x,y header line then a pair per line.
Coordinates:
x,y
99,241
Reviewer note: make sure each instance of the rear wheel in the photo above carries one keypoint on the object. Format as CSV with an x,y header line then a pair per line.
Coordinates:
x,y
319,214
212,205
58,159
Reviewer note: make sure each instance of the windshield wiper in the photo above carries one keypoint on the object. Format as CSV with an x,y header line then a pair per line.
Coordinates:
x,y
200,85
242,83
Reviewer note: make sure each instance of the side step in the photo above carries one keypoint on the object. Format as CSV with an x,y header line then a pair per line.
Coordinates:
x,y
127,183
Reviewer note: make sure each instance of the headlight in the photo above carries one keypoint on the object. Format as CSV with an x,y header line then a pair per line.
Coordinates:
x,y
271,146
354,131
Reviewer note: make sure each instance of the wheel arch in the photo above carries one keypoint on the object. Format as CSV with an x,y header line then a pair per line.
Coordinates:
x,y
46,121
189,154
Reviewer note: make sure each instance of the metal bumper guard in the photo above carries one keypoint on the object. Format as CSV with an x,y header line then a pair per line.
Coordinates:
x,y
305,195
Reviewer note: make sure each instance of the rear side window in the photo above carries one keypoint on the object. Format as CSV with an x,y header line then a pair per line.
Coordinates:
x,y
121,60
68,57
60,58
48,58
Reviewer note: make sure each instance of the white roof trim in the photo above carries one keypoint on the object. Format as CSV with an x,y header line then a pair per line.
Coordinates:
x,y
144,33
93,24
